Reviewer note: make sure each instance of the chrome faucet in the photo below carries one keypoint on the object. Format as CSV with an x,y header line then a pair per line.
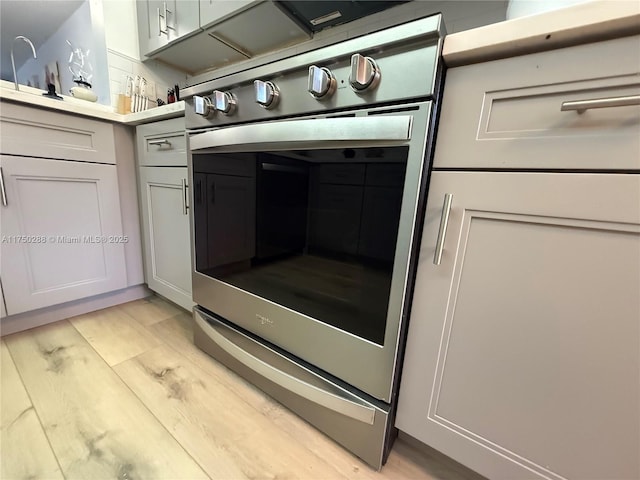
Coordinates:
x,y
13,62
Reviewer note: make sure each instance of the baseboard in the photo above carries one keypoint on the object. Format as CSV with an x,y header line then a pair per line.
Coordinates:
x,y
42,316
431,452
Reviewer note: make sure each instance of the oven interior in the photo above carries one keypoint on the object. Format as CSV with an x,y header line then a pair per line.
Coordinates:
x,y
312,230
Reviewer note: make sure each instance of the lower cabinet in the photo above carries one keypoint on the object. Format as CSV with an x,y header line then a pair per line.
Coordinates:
x,y
523,343
61,231
165,225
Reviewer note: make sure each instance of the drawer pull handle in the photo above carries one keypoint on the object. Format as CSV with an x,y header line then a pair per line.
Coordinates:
x,y
582,106
185,206
2,190
442,231
160,143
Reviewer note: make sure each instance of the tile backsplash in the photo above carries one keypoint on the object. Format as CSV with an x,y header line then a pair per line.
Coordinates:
x,y
158,75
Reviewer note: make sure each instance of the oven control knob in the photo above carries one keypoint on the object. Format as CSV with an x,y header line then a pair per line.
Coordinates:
x,y
365,74
202,106
322,83
224,102
267,94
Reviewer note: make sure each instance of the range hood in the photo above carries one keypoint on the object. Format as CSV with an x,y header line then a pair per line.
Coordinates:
x,y
315,16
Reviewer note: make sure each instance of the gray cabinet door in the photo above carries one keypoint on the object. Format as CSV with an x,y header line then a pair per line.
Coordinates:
x,y
165,225
163,22
522,350
538,111
61,232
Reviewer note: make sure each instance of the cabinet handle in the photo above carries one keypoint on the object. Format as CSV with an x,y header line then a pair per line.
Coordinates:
x,y
160,31
442,232
185,206
582,106
2,190
159,143
213,192
166,20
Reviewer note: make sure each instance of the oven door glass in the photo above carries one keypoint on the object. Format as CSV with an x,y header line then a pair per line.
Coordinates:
x,y
312,230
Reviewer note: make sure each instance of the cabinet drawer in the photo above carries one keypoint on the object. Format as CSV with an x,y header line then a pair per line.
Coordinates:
x,y
162,143
33,132
508,113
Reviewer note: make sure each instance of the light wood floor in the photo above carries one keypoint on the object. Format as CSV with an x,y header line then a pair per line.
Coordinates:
x,y
122,393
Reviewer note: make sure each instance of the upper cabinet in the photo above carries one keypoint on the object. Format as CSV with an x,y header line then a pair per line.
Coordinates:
x,y
220,32
215,11
161,23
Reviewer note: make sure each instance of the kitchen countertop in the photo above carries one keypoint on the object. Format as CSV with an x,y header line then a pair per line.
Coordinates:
x,y
582,23
33,97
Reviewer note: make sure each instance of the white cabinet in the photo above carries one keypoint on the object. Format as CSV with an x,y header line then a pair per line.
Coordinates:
x,y
232,31
523,344
163,191
163,22
166,232
61,232
544,111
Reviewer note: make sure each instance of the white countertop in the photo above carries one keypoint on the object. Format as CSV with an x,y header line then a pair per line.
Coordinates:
x,y
582,23
33,97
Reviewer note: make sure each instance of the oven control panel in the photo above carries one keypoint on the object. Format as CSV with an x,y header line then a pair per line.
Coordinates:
x,y
360,72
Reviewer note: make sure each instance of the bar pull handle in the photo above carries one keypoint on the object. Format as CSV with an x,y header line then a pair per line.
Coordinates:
x,y
160,143
2,189
442,232
331,400
185,206
213,192
160,32
582,106
166,20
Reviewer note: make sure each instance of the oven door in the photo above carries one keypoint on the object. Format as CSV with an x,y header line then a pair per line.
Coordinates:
x,y
303,234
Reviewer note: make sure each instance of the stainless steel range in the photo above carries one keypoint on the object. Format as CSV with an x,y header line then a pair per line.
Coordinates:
x,y
308,179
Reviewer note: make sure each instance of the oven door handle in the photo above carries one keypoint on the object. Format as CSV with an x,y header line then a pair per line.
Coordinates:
x,y
330,400
307,133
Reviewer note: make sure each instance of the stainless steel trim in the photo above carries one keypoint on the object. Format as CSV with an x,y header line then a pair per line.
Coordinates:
x,y
442,231
426,28
159,143
371,129
2,189
582,106
185,207
312,393
306,337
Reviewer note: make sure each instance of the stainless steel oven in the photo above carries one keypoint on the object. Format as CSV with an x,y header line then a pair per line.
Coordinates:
x,y
307,185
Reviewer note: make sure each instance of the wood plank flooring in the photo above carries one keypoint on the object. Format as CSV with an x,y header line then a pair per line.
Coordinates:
x,y
124,394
